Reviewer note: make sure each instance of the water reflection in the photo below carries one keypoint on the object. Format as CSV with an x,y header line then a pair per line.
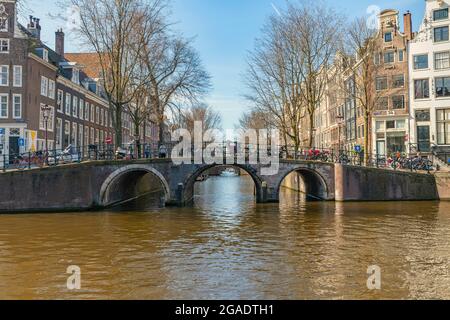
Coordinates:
x,y
228,247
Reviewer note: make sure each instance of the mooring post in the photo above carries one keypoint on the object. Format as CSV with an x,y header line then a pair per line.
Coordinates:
x,y
180,188
264,192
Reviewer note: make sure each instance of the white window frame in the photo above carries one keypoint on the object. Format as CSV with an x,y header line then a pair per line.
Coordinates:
x,y
45,54
44,86
7,105
17,76
7,75
51,89
434,59
60,101
75,107
1,45
6,26
81,109
68,104
15,116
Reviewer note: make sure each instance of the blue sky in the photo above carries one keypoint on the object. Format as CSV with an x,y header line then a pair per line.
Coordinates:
x,y
224,32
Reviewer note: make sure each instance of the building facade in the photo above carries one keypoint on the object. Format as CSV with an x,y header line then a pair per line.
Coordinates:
x,y
389,126
429,69
34,78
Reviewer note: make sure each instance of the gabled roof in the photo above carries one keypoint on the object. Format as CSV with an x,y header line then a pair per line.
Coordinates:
x,y
89,61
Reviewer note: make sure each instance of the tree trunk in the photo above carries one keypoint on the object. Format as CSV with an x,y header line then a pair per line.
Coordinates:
x,y
118,124
366,141
311,129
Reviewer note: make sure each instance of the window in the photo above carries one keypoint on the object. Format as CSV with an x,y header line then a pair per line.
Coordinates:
x,y
3,106
66,134
4,45
380,125
17,106
51,89
97,115
383,103
75,107
377,58
45,54
86,111
81,112
68,103
398,81
58,133
73,137
17,76
443,87
80,135
441,34
442,60
4,76
421,89
398,102
91,136
421,61
86,136
440,14
92,113
381,83
443,126
44,86
101,116
389,57
390,124
76,76
59,101
388,37
401,55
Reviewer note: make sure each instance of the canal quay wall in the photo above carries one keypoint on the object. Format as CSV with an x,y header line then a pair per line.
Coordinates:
x,y
371,184
98,185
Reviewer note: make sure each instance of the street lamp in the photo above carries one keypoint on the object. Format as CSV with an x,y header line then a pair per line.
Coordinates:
x,y
340,120
46,115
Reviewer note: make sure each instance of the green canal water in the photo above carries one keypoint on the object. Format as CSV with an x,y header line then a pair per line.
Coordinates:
x,y
228,247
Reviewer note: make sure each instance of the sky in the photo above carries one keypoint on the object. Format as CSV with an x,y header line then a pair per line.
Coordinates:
x,y
224,32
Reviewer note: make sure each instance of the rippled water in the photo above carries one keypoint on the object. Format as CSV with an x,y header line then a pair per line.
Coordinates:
x,y
227,247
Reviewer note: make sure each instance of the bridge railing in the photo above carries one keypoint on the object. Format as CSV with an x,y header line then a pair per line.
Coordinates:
x,y
128,152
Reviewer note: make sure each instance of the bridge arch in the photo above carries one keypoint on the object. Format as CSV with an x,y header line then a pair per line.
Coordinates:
x,y
124,184
311,183
188,191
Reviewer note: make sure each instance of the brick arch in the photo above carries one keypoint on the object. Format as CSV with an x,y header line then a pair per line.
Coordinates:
x,y
133,172
189,182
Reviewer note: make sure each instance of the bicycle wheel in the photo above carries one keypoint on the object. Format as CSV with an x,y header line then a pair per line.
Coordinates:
x,y
19,164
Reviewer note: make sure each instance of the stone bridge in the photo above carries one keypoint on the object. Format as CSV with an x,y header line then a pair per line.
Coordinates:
x,y
100,184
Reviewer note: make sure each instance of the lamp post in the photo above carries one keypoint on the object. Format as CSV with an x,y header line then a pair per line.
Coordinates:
x,y
339,119
46,115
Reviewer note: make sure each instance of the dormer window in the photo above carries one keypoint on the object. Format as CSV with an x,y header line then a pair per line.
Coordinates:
x,y
3,19
45,54
76,75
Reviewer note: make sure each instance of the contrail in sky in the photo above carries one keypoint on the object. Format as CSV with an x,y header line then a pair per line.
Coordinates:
x,y
276,9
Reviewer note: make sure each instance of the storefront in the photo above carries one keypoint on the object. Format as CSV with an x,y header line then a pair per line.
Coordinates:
x,y
391,136
12,140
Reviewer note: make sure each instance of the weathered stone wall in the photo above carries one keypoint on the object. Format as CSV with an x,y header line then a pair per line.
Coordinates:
x,y
443,185
367,184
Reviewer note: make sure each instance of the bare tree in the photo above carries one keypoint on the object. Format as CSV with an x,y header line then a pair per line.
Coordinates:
x,y
204,113
287,74
177,76
363,43
118,31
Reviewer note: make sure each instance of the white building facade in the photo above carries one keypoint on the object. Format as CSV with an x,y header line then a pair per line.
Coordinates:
x,y
429,73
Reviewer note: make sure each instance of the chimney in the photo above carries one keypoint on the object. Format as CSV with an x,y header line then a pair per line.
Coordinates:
x,y
407,25
34,27
59,42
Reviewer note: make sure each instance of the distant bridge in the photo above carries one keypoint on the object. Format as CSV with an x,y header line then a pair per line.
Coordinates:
x,y
101,184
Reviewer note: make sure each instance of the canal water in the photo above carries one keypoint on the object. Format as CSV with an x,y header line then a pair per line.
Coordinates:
x,y
228,247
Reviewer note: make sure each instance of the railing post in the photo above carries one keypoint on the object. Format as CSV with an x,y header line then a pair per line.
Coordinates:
x,y
4,162
29,160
